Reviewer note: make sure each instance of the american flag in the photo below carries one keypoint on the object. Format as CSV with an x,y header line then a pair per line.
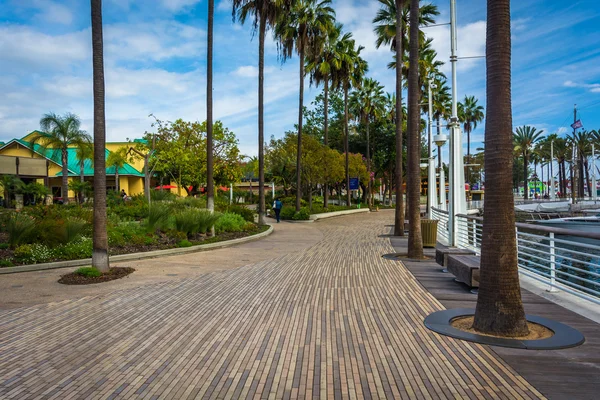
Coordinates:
x,y
577,124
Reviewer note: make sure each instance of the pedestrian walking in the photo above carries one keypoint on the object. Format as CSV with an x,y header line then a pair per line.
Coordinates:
x,y
277,205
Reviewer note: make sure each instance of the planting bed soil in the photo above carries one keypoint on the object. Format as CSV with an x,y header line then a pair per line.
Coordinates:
x,y
76,279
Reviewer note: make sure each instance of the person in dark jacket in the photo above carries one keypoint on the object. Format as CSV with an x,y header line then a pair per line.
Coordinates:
x,y
277,206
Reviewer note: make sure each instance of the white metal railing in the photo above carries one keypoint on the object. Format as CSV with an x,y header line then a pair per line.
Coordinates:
x,y
442,228
563,259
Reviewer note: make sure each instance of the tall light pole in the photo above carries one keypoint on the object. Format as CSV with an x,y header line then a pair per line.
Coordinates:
x,y
431,189
594,190
458,203
552,194
440,141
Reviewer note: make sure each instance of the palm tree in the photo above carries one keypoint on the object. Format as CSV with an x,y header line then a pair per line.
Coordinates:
x,y
561,154
368,103
413,187
470,114
60,133
350,74
100,236
525,139
499,308
301,28
265,14
210,184
321,65
84,151
583,145
117,159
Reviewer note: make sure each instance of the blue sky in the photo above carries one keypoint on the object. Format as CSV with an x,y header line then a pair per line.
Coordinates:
x,y
156,56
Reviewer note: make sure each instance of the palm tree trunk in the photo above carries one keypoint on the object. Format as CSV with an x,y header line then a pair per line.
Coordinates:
x,y
100,237
326,134
588,183
346,147
147,179
210,188
525,186
261,123
399,211
65,177
368,165
299,152
415,240
81,179
499,308
117,186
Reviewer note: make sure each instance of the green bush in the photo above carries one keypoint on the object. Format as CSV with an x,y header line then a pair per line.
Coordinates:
x,y
20,229
89,272
230,222
193,221
33,253
291,201
136,209
4,246
246,213
158,217
287,212
5,263
302,215
72,229
75,250
176,235
161,195
126,233
184,243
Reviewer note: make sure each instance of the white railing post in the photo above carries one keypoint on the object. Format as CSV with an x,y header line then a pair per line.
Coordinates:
x,y
552,265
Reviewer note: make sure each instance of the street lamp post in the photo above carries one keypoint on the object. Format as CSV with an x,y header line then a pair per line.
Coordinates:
x,y
458,203
552,193
440,141
431,192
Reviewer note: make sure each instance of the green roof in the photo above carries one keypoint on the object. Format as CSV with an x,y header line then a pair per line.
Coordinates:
x,y
73,162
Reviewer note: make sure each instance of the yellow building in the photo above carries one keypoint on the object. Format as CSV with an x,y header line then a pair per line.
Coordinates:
x,y
17,155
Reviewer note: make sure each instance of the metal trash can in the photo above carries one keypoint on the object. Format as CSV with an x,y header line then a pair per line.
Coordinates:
x,y
429,232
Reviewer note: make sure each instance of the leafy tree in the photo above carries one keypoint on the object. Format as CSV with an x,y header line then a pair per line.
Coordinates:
x,y
499,308
302,28
100,235
60,133
84,151
10,185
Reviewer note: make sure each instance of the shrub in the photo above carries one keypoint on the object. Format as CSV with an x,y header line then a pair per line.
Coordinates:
x,y
33,253
89,272
246,213
136,209
194,202
176,235
287,212
302,215
126,233
194,221
161,195
4,246
5,263
291,201
73,229
75,250
184,243
158,217
230,222
20,229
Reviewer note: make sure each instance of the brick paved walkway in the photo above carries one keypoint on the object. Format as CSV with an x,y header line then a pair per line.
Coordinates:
x,y
333,321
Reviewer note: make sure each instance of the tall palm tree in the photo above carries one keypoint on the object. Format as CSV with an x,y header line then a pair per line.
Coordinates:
x,y
322,63
60,133
525,139
117,159
264,14
582,141
470,114
84,151
442,104
368,102
413,187
100,236
350,74
300,29
561,155
499,308
210,183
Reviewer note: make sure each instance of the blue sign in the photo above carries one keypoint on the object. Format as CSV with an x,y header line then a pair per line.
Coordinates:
x,y
354,184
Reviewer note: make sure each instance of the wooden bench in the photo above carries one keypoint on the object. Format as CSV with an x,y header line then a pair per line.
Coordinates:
x,y
465,268
442,252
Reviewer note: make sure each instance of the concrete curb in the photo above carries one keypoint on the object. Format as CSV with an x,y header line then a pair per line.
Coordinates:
x,y
316,217
137,256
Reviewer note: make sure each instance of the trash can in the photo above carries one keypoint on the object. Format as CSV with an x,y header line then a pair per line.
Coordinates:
x,y
429,232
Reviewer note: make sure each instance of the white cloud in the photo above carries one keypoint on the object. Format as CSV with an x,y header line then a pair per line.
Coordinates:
x,y
471,43
178,5
53,12
592,87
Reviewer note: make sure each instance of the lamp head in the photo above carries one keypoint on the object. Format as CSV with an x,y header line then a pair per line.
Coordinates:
x,y
440,140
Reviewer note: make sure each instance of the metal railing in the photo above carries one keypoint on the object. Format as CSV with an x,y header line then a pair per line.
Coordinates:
x,y
564,259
